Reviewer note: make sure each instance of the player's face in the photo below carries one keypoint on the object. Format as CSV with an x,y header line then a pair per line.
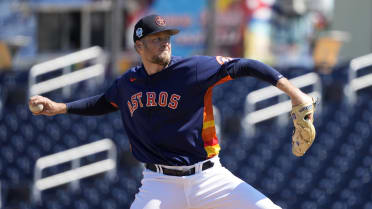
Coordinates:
x,y
157,48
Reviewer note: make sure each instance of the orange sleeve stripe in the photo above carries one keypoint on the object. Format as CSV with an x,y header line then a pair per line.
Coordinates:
x,y
114,104
212,150
208,124
223,80
209,136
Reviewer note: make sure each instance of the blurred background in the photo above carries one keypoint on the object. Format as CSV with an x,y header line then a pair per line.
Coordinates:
x,y
70,49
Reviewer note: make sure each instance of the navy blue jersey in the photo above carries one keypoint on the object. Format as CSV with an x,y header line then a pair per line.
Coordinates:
x,y
168,116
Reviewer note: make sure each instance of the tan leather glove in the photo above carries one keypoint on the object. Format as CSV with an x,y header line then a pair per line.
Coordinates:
x,y
304,131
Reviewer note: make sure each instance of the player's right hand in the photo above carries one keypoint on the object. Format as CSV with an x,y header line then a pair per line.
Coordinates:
x,y
50,107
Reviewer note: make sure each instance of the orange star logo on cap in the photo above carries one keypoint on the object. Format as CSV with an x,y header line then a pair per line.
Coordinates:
x,y
160,21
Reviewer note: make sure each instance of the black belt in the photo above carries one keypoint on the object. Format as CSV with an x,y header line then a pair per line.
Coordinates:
x,y
173,172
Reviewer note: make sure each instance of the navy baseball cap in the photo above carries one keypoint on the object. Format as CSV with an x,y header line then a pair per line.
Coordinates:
x,y
151,24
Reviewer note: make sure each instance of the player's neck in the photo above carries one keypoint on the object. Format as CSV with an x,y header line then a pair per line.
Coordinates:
x,y
152,68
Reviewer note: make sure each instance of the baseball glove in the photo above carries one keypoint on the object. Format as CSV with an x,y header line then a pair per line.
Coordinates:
x,y
304,131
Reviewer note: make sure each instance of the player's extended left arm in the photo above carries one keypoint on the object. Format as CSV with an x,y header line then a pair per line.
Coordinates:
x,y
303,106
249,67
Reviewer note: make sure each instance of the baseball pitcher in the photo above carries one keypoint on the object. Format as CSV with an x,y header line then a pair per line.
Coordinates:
x,y
166,107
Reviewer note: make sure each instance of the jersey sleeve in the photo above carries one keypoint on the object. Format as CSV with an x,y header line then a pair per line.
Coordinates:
x,y
112,94
216,70
95,105
213,70
257,69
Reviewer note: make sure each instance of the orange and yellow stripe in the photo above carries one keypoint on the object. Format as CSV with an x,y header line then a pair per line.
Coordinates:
x,y
209,136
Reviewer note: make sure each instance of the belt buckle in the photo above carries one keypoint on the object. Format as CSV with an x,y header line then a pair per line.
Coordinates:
x,y
189,172
181,172
173,172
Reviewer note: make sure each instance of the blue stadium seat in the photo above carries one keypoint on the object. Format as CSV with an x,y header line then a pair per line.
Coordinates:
x,y
12,122
305,174
339,205
64,197
368,205
24,205
18,143
109,204
34,152
121,196
24,164
355,184
102,186
364,174
129,184
284,163
13,174
105,130
247,174
264,152
71,141
309,205
91,123
342,163
64,122
122,141
81,204
367,161
328,185
238,153
8,154
116,122
4,133
80,133
57,148
39,123
22,112
45,143
334,173
28,132
53,131
319,196
351,197
334,129
92,196
277,175
270,186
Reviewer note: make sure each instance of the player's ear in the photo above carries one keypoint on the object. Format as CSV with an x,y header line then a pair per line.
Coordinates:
x,y
138,45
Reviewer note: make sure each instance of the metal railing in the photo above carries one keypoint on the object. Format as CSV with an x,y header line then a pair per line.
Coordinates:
x,y
68,77
76,172
253,115
356,83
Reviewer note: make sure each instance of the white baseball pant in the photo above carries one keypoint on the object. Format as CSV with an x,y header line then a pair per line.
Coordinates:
x,y
214,188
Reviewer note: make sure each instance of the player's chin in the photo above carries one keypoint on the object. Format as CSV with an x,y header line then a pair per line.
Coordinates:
x,y
165,54
166,57
162,59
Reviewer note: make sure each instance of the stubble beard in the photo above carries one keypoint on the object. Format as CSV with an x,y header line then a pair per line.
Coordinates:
x,y
162,59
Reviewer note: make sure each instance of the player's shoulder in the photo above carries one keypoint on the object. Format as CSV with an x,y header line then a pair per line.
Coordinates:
x,y
203,59
211,59
193,59
131,72
135,69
